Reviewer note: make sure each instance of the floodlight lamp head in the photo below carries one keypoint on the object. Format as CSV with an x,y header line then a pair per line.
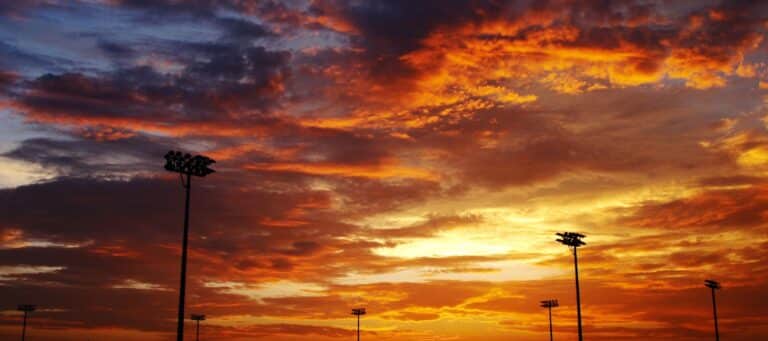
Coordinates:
x,y
196,165
358,311
712,284
549,304
571,239
197,317
26,307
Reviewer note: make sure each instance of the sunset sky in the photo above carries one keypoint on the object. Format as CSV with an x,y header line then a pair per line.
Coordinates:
x,y
412,157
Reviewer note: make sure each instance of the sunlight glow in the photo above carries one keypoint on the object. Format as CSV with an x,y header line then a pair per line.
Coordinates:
x,y
269,289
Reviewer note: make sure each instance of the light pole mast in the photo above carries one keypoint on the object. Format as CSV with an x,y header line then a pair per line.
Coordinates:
x,y
197,318
358,312
26,308
714,285
549,304
573,240
187,166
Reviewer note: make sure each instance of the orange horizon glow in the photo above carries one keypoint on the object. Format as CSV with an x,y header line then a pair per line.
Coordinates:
x,y
413,158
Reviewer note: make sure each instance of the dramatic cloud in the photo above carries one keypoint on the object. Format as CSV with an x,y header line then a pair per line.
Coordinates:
x,y
411,157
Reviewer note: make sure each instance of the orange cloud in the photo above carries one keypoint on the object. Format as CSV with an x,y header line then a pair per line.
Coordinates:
x,y
388,170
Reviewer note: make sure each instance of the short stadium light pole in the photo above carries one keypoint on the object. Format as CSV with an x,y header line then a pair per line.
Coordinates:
x,y
26,308
358,312
549,304
187,166
197,318
573,240
714,285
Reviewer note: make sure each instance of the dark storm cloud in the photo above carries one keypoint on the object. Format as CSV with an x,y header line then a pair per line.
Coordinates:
x,y
17,8
171,7
82,95
138,219
715,33
230,81
233,63
690,42
89,309
138,197
397,27
208,81
40,209
390,29
84,158
116,51
126,226
237,29
276,11
242,29
14,58
96,265
124,231
6,80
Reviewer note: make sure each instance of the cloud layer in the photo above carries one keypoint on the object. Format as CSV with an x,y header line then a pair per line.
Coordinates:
x,y
412,157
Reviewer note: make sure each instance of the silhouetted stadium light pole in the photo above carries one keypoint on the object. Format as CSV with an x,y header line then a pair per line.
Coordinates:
x,y
358,312
549,304
197,318
714,285
187,166
573,240
26,308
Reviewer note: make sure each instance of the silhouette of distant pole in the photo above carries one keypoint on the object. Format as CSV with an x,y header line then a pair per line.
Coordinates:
x,y
187,166
573,240
26,308
714,285
358,312
549,304
197,318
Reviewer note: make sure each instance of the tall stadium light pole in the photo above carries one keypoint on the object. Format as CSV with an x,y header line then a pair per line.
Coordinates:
x,y
26,308
549,304
358,312
714,285
573,240
197,318
187,166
